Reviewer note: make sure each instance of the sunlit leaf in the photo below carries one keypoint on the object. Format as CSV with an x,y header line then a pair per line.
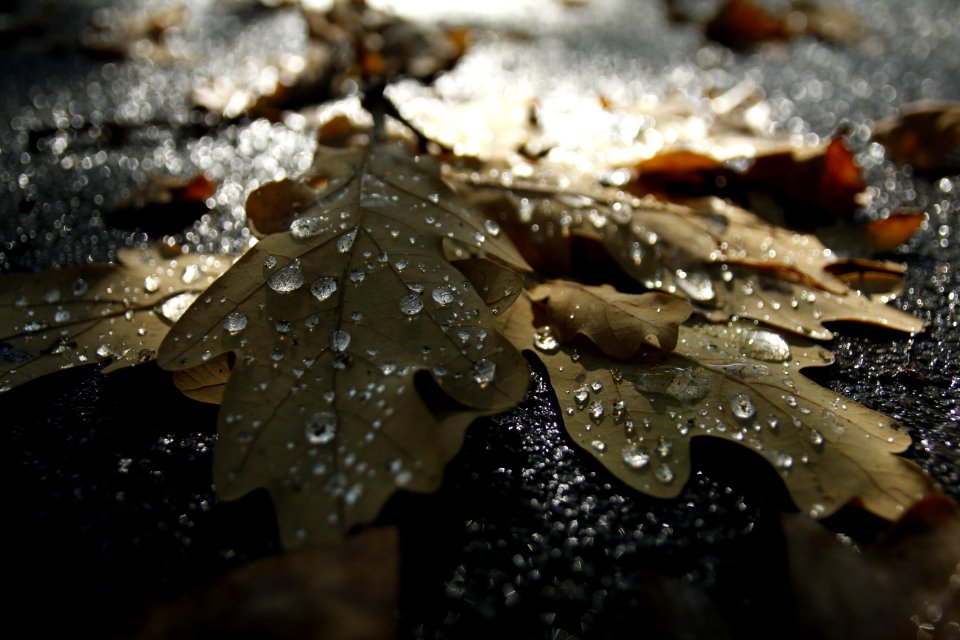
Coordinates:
x,y
734,381
116,313
331,321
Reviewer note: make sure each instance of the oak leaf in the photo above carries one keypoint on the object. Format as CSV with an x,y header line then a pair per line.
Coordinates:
x,y
331,322
117,314
733,381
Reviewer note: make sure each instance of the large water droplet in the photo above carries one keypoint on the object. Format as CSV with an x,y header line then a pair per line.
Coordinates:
x,y
411,304
544,340
635,457
234,323
742,407
599,445
323,288
444,294
321,428
306,227
339,340
345,242
287,279
151,283
765,345
664,474
697,286
581,395
483,372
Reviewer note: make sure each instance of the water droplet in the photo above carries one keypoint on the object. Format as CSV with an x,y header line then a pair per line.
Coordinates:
x,y
104,351
62,315
234,323
765,345
270,262
483,372
636,458
742,407
434,198
596,411
664,474
596,386
283,326
581,395
664,448
444,294
345,242
599,445
357,276
173,308
782,460
411,304
697,286
339,340
544,340
287,279
791,401
150,284
324,287
80,287
816,438
772,423
306,227
491,227
321,428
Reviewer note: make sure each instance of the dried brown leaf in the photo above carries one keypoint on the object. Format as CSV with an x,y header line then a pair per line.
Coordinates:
x,y
331,322
118,313
925,135
732,381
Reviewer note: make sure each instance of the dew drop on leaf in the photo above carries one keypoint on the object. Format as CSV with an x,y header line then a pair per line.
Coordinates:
x,y
323,288
664,448
816,438
443,295
545,340
484,372
321,428
581,395
765,345
61,316
411,304
339,340
151,283
491,227
287,279
636,458
697,286
596,411
664,474
234,323
270,262
742,407
306,227
80,287
345,242
599,445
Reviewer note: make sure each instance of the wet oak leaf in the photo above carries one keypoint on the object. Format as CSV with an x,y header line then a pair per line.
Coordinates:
x,y
114,313
618,323
732,381
727,261
330,323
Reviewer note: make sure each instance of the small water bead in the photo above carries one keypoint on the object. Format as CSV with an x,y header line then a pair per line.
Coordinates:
x,y
664,448
357,276
345,242
287,279
302,228
311,321
339,340
697,286
411,304
484,372
62,315
324,287
599,445
782,460
619,411
283,326
742,407
596,386
636,458
664,474
321,428
270,262
80,287
816,438
444,295
544,340
234,323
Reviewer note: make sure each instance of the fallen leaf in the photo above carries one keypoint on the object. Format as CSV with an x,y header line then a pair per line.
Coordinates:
x,y
902,586
727,261
343,591
618,323
165,206
733,381
117,313
744,23
331,322
925,135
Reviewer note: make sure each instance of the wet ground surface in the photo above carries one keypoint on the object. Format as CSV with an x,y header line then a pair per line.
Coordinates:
x,y
109,476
